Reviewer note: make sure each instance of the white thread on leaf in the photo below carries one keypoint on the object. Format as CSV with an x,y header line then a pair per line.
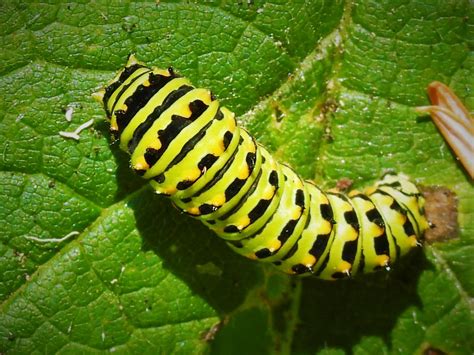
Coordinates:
x,y
52,240
75,134
84,126
68,113
71,135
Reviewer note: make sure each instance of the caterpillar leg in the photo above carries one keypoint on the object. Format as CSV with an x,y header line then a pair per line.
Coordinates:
x,y
453,121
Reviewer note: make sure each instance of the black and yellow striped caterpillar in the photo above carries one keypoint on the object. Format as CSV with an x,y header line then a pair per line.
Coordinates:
x,y
191,149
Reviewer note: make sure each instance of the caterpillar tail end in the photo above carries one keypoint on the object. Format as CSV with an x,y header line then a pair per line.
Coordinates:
x,y
453,121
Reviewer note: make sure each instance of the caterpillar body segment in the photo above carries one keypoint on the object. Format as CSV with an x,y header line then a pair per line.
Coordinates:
x,y
281,230
192,150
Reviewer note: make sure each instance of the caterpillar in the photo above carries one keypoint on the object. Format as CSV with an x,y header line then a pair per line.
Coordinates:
x,y
192,150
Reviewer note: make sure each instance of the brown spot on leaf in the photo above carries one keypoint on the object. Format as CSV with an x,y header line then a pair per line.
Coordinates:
x,y
442,214
211,333
344,184
278,111
329,106
433,351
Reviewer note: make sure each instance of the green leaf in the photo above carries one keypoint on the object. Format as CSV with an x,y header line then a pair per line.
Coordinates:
x,y
328,87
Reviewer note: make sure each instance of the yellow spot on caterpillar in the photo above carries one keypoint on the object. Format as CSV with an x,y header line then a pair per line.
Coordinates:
x,y
325,228
242,222
376,230
382,260
344,267
308,260
413,241
146,83
140,164
251,147
274,245
113,125
193,210
217,149
252,256
423,222
296,213
193,174
154,144
402,219
351,234
218,200
170,190
244,173
370,190
268,193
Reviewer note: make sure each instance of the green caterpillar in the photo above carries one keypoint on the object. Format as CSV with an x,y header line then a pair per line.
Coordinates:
x,y
191,149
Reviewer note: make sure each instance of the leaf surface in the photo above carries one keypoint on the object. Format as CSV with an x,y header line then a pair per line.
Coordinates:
x,y
328,87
